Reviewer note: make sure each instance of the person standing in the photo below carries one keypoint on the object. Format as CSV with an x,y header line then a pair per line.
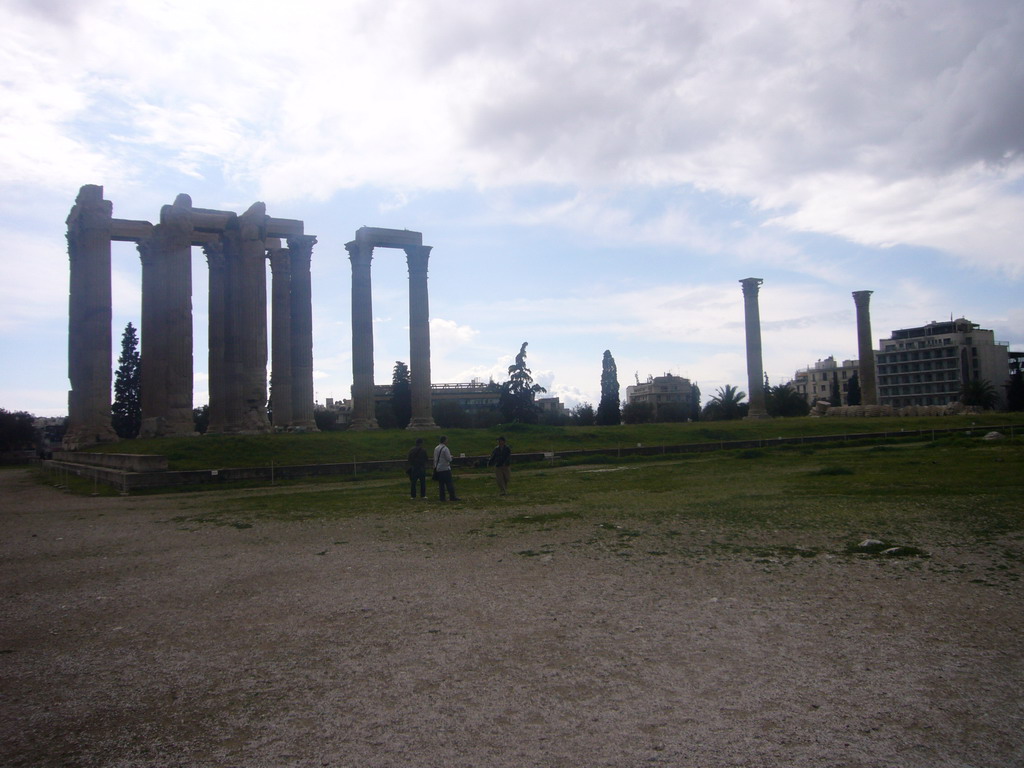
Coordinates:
x,y
417,468
443,469
501,460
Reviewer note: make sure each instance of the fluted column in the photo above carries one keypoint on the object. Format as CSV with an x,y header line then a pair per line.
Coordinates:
x,y
755,366
300,250
281,336
363,411
865,349
89,318
152,336
233,333
252,326
217,301
419,337
245,343
177,220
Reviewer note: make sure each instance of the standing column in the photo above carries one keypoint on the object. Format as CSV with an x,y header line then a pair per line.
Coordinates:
x,y
217,301
89,318
755,368
865,349
177,221
152,335
300,249
280,336
249,308
363,411
419,337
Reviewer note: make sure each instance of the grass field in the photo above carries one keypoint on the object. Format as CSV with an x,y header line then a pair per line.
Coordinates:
x,y
771,505
218,451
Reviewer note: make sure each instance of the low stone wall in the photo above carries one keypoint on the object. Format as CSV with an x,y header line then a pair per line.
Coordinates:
x,y
126,462
822,408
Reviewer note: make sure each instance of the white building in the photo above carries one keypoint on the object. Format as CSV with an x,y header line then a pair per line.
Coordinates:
x,y
929,365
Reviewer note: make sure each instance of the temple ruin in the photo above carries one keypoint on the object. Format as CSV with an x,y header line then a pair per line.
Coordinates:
x,y
361,254
236,248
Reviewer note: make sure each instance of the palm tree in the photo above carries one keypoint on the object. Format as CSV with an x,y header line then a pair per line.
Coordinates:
x,y
783,400
725,404
981,393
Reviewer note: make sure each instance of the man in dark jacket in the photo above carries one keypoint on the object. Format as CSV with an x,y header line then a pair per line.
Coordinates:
x,y
417,468
501,460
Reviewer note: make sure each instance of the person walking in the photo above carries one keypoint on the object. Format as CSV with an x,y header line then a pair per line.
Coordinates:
x,y
501,460
416,468
443,469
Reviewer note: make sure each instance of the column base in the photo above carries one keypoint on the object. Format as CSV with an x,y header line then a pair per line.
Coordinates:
x,y
84,437
422,424
757,415
364,424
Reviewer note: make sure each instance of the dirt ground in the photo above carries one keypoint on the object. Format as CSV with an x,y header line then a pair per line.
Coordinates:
x,y
129,638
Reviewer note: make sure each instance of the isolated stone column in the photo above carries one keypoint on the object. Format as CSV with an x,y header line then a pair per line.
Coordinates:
x,y
280,336
89,318
865,349
419,337
363,411
755,367
300,250
216,309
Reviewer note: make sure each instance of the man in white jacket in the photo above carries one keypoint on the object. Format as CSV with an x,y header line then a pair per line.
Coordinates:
x,y
443,469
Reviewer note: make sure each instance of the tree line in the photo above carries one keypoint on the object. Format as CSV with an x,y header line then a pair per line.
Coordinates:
x,y
516,401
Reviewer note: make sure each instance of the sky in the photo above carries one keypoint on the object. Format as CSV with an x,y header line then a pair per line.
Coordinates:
x,y
591,176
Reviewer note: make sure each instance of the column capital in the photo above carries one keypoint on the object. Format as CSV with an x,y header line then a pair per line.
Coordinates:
x,y
751,285
280,263
359,253
214,252
301,245
862,297
417,256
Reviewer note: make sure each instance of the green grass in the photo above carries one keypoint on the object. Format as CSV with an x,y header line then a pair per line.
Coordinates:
x,y
852,491
222,451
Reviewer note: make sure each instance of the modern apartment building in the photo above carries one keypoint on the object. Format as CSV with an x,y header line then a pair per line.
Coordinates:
x,y
929,365
816,382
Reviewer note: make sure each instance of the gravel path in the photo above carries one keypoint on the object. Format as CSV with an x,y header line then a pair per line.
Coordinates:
x,y
130,638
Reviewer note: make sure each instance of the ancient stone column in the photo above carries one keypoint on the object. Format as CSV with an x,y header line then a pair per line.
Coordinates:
x,y
217,302
419,337
167,324
152,338
89,318
252,325
865,349
245,342
755,367
300,250
281,335
363,409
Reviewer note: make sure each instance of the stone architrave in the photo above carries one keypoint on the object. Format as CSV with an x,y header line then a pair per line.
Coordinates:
x,y
419,337
281,335
89,317
755,367
363,415
300,253
865,349
166,331
214,250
